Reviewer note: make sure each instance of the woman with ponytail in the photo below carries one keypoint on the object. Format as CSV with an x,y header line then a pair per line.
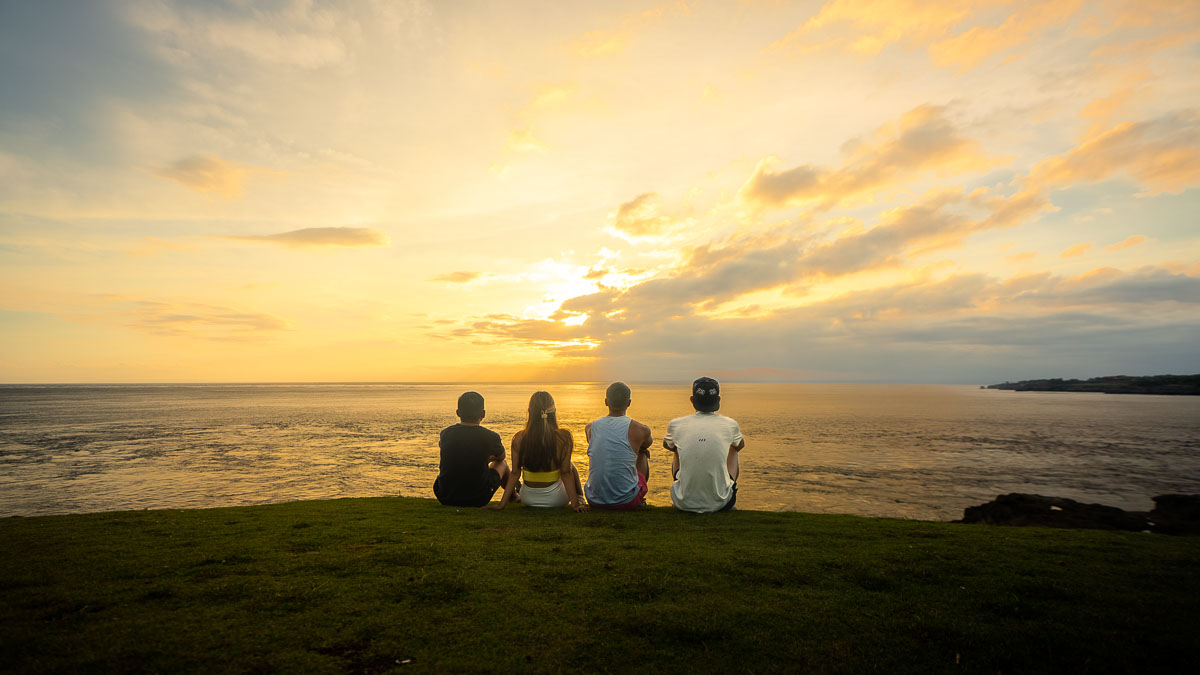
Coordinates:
x,y
541,460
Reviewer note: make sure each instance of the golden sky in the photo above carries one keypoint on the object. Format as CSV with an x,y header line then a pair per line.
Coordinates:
x,y
885,191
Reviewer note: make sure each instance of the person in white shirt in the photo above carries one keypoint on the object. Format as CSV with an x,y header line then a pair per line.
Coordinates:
x,y
704,449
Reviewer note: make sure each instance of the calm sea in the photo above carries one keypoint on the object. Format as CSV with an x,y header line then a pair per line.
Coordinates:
x,y
905,451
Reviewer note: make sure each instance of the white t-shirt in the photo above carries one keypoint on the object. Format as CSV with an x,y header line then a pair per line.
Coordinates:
x,y
702,441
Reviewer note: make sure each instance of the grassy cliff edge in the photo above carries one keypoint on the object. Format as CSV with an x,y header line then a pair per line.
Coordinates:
x,y
1172,385
368,585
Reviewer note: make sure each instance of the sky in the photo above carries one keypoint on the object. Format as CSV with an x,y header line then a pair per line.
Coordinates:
x,y
870,191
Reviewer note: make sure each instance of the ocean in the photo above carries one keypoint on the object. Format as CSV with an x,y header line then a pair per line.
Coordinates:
x,y
901,451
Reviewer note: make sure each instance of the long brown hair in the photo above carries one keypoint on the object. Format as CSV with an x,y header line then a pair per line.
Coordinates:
x,y
539,447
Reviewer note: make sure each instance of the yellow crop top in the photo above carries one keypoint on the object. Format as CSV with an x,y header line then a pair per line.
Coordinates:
x,y
540,476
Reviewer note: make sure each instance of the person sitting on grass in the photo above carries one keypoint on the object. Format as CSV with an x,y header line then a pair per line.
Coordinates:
x,y
619,448
472,462
705,449
541,455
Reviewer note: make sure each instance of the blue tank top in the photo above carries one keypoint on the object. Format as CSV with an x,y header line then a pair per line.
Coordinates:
x,y
612,475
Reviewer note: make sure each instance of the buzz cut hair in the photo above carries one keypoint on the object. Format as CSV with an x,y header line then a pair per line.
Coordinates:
x,y
470,406
618,395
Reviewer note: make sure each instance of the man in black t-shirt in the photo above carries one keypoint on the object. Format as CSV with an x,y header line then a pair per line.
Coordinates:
x,y
472,458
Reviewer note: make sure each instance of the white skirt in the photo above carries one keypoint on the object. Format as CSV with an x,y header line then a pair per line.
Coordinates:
x,y
553,496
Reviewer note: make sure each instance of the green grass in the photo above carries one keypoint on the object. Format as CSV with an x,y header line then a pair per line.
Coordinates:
x,y
358,585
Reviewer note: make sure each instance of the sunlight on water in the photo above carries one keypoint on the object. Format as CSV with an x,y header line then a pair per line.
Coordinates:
x,y
903,451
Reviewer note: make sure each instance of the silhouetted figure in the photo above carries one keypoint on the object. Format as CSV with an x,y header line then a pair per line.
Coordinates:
x,y
472,462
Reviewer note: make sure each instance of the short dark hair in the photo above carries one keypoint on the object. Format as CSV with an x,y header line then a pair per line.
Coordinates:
x,y
706,395
470,407
618,394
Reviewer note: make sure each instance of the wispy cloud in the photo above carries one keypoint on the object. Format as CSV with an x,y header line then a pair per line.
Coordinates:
x,y
294,34
314,237
168,318
457,277
866,28
207,174
523,140
1127,243
924,139
1076,251
604,42
642,216
970,48
1161,154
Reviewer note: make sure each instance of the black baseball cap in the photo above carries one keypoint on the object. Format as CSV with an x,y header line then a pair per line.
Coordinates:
x,y
706,394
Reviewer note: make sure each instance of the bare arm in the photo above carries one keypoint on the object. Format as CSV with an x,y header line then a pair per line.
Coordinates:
x,y
641,437
670,445
566,471
568,481
731,459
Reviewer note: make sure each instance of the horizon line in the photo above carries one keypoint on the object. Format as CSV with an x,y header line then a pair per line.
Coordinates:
x,y
498,382
450,382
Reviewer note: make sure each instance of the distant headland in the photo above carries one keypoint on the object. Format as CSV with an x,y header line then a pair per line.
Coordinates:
x,y
1178,385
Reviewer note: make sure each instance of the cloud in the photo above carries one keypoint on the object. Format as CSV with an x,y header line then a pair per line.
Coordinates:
x,y
611,41
547,101
523,140
1076,251
923,139
1175,25
206,174
321,236
866,27
712,274
1161,154
1021,258
1015,209
296,34
457,277
1128,243
550,95
1132,83
186,319
948,329
1143,13
641,217
265,42
684,313
716,273
1112,289
937,221
974,45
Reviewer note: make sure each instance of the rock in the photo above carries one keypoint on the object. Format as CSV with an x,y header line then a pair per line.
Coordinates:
x,y
1036,510
1176,514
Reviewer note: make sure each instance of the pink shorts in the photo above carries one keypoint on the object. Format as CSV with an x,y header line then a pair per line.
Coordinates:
x,y
638,500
